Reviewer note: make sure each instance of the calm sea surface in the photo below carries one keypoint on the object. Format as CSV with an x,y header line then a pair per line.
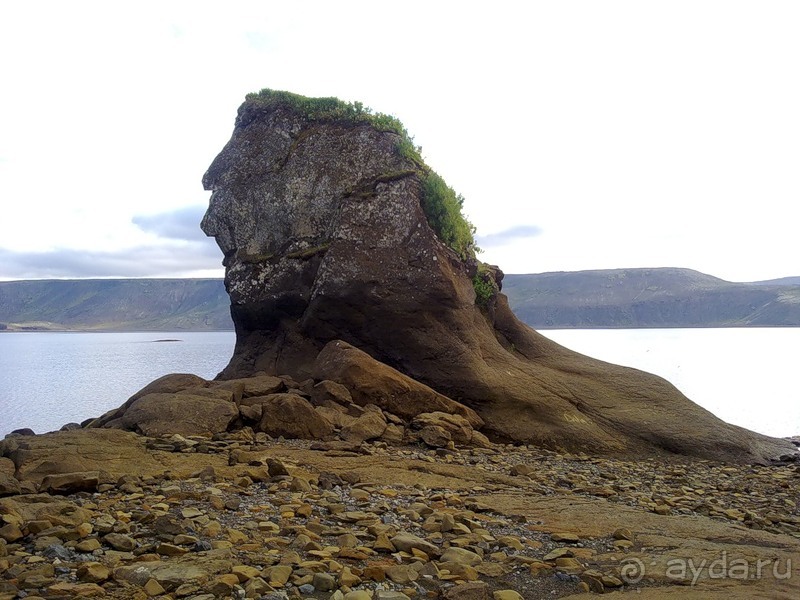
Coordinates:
x,y
49,379
745,376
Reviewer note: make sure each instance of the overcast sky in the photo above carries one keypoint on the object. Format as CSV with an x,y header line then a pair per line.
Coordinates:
x,y
583,135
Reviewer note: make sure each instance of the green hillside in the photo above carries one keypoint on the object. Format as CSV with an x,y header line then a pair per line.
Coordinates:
x,y
115,305
664,297
623,298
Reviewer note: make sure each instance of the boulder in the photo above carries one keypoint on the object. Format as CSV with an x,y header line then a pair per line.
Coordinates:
x,y
182,413
368,426
259,385
336,416
168,384
9,485
457,427
435,436
326,392
292,416
330,227
71,483
372,382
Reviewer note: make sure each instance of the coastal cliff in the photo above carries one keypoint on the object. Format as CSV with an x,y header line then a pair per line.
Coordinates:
x,y
331,231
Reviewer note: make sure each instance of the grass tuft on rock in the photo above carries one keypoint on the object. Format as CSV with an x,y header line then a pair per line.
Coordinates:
x,y
442,205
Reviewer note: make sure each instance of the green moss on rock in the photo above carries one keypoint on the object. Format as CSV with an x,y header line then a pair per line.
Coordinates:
x,y
441,204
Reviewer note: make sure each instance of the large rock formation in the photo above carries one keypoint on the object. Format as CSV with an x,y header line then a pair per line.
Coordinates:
x,y
318,209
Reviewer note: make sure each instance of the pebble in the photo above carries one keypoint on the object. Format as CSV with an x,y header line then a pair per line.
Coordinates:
x,y
276,533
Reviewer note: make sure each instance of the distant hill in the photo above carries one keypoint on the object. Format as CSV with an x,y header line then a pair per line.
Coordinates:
x,y
115,305
581,299
664,297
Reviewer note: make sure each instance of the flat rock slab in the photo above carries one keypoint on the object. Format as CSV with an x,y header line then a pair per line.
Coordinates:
x,y
696,557
111,452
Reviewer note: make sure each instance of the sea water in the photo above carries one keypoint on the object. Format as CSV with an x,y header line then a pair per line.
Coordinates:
x,y
48,379
746,376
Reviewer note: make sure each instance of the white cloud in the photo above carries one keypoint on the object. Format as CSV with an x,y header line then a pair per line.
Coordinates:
x,y
630,132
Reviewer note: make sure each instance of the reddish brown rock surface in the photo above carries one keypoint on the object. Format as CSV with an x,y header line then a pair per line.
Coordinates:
x,y
324,237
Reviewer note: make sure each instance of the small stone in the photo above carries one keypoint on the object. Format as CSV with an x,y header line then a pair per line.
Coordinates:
x,y
374,573
509,541
36,527
402,574
70,483
93,572
245,573
559,553
348,578
448,522
11,532
523,470
279,575
121,542
256,587
237,537
384,544
153,588
223,585
324,582
191,513
88,546
492,569
76,590
165,549
185,540
390,595
359,495
406,541
567,538
593,582
475,590
611,581
461,556
435,436
506,595
276,468
569,565
623,533
300,485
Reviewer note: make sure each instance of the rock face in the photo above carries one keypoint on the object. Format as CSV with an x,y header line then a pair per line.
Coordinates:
x,y
325,238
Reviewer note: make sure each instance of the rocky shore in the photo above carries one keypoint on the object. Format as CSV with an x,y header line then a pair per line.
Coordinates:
x,y
244,515
387,429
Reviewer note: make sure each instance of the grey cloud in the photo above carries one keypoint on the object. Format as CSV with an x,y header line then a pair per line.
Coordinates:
x,y
159,260
509,235
180,224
